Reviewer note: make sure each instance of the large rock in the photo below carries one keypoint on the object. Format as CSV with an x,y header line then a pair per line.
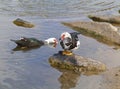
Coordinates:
x,y
76,63
103,32
23,23
105,18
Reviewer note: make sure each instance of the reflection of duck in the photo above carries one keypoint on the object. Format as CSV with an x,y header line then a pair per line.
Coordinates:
x,y
69,42
25,42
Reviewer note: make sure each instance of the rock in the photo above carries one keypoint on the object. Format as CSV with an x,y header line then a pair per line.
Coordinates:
x,y
103,32
23,23
25,43
28,42
111,79
76,63
109,19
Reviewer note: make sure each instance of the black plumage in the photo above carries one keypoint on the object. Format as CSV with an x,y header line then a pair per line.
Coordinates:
x,y
28,42
70,42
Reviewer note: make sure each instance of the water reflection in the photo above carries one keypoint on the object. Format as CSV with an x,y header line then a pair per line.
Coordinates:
x,y
69,78
17,48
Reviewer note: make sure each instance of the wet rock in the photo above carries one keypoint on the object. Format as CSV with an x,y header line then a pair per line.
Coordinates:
x,y
109,19
28,42
25,43
23,23
111,79
76,63
103,32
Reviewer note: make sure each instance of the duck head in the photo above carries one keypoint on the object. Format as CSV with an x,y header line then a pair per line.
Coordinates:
x,y
52,42
65,35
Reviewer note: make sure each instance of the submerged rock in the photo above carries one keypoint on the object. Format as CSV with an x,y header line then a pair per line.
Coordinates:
x,y
111,79
25,44
28,42
109,19
23,23
103,32
76,63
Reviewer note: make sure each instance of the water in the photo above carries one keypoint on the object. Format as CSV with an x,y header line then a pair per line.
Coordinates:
x,y
57,8
31,69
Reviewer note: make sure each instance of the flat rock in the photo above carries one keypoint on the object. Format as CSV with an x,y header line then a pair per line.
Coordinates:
x,y
76,63
105,18
103,32
23,23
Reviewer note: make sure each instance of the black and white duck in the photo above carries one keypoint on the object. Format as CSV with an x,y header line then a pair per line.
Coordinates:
x,y
25,42
69,42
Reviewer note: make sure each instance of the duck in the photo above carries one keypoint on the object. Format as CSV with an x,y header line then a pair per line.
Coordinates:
x,y
69,42
25,42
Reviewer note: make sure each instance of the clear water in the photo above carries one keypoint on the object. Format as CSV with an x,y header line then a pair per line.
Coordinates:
x,y
31,69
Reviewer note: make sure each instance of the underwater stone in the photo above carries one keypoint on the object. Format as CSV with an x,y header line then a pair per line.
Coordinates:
x,y
111,79
76,63
23,23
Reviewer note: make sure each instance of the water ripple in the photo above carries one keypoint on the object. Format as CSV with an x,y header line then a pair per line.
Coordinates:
x,y
56,8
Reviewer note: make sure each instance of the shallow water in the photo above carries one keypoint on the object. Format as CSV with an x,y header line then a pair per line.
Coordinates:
x,y
31,69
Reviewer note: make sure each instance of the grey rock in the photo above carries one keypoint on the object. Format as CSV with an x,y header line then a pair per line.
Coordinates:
x,y
76,63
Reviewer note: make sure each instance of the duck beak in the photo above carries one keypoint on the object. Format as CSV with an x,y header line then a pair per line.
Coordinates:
x,y
63,37
55,43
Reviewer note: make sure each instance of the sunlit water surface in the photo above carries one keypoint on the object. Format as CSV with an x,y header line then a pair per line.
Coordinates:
x,y
31,69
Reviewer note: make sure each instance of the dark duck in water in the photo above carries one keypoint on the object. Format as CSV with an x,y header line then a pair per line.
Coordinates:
x,y
25,42
69,42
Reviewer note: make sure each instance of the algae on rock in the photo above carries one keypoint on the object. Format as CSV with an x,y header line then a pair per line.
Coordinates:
x,y
23,23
